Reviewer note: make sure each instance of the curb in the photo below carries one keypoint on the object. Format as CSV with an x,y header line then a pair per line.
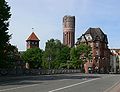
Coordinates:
x,y
114,88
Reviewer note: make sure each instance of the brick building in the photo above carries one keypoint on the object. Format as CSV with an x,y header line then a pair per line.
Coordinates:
x,y
100,51
69,30
32,41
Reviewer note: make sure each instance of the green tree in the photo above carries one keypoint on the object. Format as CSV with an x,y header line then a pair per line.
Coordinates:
x,y
33,56
4,24
80,54
11,56
55,54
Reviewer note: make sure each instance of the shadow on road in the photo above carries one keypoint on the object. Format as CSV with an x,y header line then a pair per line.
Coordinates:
x,y
28,80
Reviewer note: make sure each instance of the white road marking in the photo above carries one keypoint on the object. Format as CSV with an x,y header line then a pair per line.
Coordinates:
x,y
73,85
2,90
22,86
18,87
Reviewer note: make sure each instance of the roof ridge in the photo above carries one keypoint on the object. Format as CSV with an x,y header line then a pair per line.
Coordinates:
x,y
32,37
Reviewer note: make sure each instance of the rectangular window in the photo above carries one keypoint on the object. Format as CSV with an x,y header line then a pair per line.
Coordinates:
x,y
28,42
97,44
97,52
35,42
32,42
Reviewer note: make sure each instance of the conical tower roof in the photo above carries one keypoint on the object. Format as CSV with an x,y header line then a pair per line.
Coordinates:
x,y
32,37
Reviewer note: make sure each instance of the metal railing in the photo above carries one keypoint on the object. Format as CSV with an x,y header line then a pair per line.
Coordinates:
x,y
39,71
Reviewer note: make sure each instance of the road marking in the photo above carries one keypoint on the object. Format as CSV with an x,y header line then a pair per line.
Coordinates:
x,y
73,85
18,87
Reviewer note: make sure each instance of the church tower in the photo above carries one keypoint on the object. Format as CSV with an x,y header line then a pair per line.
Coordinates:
x,y
32,41
69,30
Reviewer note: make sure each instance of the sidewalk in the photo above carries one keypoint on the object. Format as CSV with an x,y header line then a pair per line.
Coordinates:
x,y
15,78
4,79
8,78
114,88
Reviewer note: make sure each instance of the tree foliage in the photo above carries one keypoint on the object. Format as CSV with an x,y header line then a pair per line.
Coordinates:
x,y
4,24
80,54
56,52
33,56
11,56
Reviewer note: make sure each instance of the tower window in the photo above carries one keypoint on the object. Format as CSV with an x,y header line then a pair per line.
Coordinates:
x,y
65,34
28,42
35,42
32,42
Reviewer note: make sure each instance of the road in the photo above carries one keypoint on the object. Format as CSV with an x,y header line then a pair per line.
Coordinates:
x,y
62,83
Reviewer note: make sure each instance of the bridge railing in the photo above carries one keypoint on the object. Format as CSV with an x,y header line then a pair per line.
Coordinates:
x,y
38,71
51,71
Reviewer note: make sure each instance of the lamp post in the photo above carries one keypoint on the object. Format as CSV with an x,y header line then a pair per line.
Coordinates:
x,y
99,64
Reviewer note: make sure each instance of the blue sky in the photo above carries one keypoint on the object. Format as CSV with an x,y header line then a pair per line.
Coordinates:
x,y
45,16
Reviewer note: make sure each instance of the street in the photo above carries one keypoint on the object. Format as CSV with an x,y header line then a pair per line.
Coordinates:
x,y
62,83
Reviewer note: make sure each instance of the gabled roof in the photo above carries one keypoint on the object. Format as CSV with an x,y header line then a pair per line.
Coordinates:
x,y
97,35
32,37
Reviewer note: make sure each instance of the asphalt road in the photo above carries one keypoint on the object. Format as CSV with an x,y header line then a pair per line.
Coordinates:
x,y
61,83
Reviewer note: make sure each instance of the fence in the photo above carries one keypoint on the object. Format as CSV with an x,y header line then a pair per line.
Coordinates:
x,y
38,71
53,71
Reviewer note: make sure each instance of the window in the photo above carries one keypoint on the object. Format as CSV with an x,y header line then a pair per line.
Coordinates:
x,y
97,44
89,38
32,42
28,42
97,52
97,61
91,44
35,42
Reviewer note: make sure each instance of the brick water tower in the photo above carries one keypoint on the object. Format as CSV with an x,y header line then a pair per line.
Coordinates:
x,y
69,30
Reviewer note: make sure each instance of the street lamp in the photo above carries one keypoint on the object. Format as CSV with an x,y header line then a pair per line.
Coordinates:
x,y
99,64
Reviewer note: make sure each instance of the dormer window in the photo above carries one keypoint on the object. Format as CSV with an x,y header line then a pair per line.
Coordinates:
x,y
88,37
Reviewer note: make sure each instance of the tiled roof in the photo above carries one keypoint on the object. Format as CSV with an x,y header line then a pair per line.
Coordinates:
x,y
32,37
97,34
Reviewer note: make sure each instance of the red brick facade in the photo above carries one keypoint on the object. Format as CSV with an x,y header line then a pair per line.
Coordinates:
x,y
100,51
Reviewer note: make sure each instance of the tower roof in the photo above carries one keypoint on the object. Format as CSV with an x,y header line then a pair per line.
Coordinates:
x,y
32,37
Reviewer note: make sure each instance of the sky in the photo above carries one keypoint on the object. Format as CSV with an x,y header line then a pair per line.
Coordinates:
x,y
46,17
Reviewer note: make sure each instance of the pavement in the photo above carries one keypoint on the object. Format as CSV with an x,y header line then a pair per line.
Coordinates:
x,y
61,83
115,88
